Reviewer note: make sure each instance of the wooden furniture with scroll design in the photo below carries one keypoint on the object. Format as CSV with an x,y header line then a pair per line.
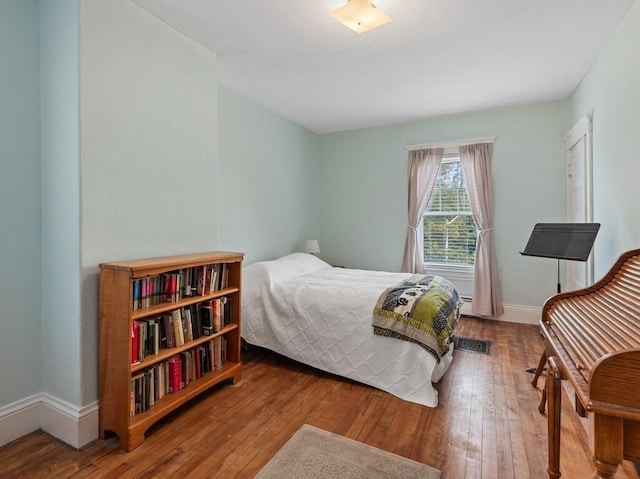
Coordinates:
x,y
593,340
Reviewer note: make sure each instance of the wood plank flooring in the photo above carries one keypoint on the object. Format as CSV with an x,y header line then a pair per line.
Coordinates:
x,y
486,426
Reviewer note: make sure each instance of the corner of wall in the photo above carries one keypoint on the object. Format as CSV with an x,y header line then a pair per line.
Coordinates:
x,y
75,426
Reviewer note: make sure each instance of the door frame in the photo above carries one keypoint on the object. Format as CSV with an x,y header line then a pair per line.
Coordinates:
x,y
583,129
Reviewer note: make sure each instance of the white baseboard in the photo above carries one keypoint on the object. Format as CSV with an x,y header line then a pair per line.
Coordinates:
x,y
73,425
20,418
513,313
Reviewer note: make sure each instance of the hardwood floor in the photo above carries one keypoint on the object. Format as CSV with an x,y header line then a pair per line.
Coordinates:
x,y
486,426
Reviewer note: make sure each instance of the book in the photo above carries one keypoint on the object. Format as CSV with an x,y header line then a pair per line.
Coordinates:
x,y
196,324
148,390
184,369
177,327
142,340
166,288
174,373
162,375
206,357
217,315
185,275
217,352
198,361
135,406
169,331
207,280
202,275
135,341
151,335
136,294
224,276
153,296
187,324
206,316
155,343
225,310
146,292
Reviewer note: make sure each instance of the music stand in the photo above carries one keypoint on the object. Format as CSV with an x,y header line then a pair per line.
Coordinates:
x,y
570,241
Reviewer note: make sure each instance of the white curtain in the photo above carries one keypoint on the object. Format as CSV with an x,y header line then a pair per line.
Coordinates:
x,y
422,172
476,165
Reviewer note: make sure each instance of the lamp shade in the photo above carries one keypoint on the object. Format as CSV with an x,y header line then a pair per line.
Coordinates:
x,y
360,16
312,247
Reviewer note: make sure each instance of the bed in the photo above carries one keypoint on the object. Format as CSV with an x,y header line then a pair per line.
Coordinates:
x,y
305,309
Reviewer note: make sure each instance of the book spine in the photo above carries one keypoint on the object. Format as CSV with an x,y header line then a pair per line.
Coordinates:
x,y
174,374
177,327
217,315
135,340
188,324
196,325
136,295
169,330
206,315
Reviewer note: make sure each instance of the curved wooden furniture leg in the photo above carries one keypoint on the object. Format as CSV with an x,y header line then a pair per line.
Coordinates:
x,y
534,382
539,369
554,392
543,402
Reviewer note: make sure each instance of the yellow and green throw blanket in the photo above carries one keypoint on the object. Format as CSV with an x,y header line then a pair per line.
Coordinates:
x,y
421,309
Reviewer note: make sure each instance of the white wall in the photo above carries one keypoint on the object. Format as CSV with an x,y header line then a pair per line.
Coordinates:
x,y
363,178
268,188
611,91
20,341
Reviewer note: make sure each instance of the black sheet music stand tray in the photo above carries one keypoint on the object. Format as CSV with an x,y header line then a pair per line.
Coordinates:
x,y
572,241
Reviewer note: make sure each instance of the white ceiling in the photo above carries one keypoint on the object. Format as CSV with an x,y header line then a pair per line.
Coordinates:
x,y
437,57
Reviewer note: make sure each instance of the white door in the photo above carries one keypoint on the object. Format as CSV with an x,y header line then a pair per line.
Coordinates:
x,y
579,274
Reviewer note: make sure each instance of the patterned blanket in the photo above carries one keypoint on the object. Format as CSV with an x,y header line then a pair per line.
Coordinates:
x,y
422,309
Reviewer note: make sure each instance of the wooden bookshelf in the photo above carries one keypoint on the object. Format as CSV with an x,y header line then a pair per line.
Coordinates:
x,y
120,307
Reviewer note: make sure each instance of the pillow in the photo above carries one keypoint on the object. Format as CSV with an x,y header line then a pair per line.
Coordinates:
x,y
263,274
295,264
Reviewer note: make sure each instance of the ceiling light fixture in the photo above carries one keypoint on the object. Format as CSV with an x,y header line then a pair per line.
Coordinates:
x,y
360,16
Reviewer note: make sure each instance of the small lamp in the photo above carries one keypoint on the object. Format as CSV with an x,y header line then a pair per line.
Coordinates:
x,y
312,247
360,16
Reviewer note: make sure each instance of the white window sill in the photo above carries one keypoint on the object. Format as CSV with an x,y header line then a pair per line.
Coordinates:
x,y
449,271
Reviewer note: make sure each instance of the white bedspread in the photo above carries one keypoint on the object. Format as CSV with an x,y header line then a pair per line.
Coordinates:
x,y
303,308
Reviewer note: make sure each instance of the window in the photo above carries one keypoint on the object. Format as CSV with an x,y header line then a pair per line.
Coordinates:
x,y
449,230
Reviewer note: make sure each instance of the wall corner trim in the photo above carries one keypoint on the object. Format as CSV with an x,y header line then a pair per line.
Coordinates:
x,y
77,426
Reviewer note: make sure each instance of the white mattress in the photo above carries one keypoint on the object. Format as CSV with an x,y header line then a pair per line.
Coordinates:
x,y
305,309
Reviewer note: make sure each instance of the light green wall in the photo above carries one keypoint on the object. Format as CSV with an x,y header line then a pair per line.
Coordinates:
x,y
148,149
611,90
146,104
363,195
20,344
269,183
59,83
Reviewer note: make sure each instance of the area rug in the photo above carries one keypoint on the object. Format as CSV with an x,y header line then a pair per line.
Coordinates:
x,y
315,453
